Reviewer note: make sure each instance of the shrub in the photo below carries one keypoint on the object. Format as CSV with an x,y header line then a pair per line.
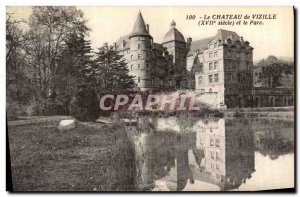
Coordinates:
x,y
13,110
84,105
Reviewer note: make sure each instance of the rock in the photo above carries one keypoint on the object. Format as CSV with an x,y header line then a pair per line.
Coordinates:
x,y
66,125
104,120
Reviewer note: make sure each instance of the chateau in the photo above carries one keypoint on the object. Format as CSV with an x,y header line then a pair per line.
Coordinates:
x,y
219,68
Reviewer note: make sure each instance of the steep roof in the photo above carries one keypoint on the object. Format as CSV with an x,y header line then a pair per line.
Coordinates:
x,y
221,35
139,28
120,44
173,34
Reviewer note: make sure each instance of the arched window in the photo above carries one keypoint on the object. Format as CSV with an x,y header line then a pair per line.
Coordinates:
x,y
200,80
210,90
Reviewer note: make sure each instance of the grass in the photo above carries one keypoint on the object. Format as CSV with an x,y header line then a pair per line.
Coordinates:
x,y
90,157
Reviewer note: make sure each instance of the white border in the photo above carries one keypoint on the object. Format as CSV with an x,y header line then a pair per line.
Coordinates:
x,y
5,3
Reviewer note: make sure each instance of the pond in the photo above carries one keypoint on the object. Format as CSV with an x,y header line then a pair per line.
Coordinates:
x,y
214,154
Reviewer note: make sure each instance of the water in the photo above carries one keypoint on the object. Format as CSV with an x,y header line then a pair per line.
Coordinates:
x,y
215,154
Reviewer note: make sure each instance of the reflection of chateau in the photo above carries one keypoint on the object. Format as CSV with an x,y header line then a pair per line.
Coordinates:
x,y
225,151
214,151
219,68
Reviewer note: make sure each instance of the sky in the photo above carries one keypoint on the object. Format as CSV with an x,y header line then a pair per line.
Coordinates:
x,y
108,24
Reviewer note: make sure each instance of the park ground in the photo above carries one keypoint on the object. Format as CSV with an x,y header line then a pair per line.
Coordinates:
x,y
90,157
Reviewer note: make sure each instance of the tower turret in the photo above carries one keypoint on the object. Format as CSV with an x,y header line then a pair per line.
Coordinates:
x,y
175,44
140,54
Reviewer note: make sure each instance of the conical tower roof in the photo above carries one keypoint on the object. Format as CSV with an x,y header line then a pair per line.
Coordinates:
x,y
139,28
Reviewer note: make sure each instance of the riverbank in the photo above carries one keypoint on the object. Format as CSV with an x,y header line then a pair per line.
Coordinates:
x,y
90,157
263,112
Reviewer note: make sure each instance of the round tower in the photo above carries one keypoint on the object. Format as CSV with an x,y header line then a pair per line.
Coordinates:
x,y
175,44
140,63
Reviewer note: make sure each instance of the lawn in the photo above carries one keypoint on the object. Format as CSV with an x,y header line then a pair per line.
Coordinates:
x,y
90,157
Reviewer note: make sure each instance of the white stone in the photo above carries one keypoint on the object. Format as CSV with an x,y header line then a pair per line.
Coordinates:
x,y
66,125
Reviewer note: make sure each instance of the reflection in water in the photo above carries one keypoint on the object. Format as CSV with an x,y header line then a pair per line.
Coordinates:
x,y
179,153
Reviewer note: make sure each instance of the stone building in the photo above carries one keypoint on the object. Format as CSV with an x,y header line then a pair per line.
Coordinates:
x,y
218,68
155,66
222,66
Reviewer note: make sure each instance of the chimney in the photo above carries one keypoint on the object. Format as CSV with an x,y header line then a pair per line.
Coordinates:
x,y
147,28
228,40
188,44
115,45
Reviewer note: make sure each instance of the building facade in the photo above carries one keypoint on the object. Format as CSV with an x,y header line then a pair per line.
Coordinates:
x,y
155,66
219,68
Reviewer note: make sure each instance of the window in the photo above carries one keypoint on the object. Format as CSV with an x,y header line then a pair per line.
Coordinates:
x,y
216,77
217,156
210,91
239,78
210,55
139,79
200,80
131,57
229,76
211,142
139,56
146,66
216,54
215,45
211,46
210,67
202,91
139,66
212,155
201,142
152,81
131,67
212,166
215,65
210,78
218,166
139,46
217,142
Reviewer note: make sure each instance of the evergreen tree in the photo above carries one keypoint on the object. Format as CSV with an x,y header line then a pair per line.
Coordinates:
x,y
110,71
74,80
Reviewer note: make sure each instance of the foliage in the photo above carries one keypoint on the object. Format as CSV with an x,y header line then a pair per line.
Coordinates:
x,y
276,72
49,30
84,105
52,63
110,71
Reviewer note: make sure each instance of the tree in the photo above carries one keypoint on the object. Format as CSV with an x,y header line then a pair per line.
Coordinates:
x,y
74,84
18,84
74,67
275,71
49,30
110,71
